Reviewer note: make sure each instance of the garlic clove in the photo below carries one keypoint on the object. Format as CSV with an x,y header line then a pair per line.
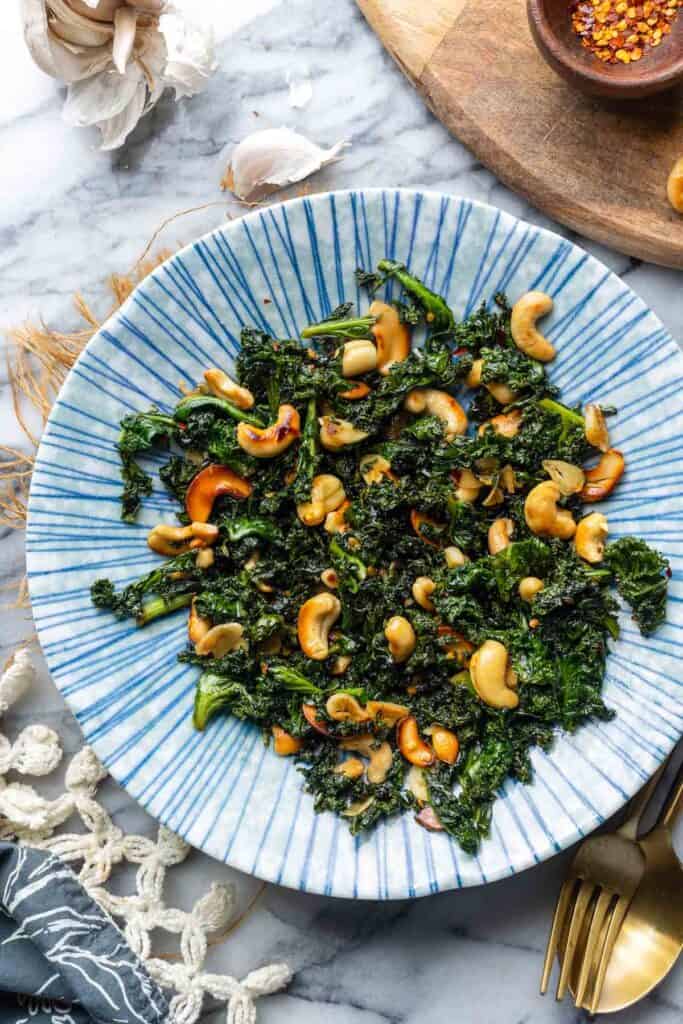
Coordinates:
x,y
125,25
273,158
101,97
98,10
190,59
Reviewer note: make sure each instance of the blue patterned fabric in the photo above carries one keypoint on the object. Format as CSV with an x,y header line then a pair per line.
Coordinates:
x,y
62,959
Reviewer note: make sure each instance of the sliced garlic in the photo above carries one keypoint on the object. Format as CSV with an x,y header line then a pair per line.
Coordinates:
x,y
273,158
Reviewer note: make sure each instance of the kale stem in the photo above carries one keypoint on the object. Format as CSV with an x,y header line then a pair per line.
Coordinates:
x,y
160,606
210,403
358,327
568,415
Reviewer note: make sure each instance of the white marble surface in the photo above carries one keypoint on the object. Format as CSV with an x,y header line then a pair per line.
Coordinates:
x,y
69,215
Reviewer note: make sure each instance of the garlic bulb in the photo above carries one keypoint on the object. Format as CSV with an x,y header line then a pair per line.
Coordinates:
x,y
270,159
117,57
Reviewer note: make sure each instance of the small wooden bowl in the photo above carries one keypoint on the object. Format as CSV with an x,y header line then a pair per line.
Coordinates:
x,y
659,68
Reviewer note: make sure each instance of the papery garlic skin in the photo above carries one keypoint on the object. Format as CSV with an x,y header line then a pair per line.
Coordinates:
x,y
273,158
117,57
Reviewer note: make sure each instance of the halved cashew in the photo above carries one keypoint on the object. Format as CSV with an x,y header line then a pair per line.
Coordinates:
x,y
284,744
500,535
603,478
568,477
353,394
392,336
492,675
211,483
352,769
358,807
506,424
411,744
467,485
316,618
379,754
493,498
416,783
440,404
526,336
205,558
596,430
542,514
500,391
336,433
267,442
329,578
342,707
176,540
674,186
387,711
400,636
591,534
340,664
358,357
335,522
529,587
422,588
197,625
327,494
508,480
454,557
374,467
220,640
222,386
445,743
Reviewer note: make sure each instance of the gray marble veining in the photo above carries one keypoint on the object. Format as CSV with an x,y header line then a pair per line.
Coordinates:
x,y
70,215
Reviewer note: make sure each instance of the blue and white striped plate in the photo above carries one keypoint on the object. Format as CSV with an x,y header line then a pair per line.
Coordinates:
x,y
279,269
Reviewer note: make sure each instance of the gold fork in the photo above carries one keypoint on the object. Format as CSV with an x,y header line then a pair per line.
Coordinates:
x,y
593,902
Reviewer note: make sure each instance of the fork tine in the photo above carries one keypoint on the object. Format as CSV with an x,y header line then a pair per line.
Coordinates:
x,y
589,950
615,924
559,917
581,905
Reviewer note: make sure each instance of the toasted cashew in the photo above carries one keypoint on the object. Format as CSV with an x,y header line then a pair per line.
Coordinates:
x,y
493,676
222,386
392,336
467,487
352,769
379,754
674,186
220,640
420,519
342,707
445,743
500,391
590,537
500,535
340,664
603,478
417,784
329,578
386,711
284,744
205,558
508,480
525,312
335,522
336,433
411,745
327,494
176,540
422,588
197,625
506,424
568,477
374,468
440,404
542,514
597,433
454,557
529,587
358,357
400,636
267,442
316,618
359,389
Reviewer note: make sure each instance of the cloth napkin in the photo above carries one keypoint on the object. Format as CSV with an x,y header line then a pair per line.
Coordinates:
x,y
62,958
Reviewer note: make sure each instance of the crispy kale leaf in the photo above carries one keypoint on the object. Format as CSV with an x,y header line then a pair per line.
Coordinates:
x,y
641,576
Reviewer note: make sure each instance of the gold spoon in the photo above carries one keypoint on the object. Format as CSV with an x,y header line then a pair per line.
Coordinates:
x,y
651,937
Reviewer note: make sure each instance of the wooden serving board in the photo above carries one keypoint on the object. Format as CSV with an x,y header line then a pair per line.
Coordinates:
x,y
598,166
